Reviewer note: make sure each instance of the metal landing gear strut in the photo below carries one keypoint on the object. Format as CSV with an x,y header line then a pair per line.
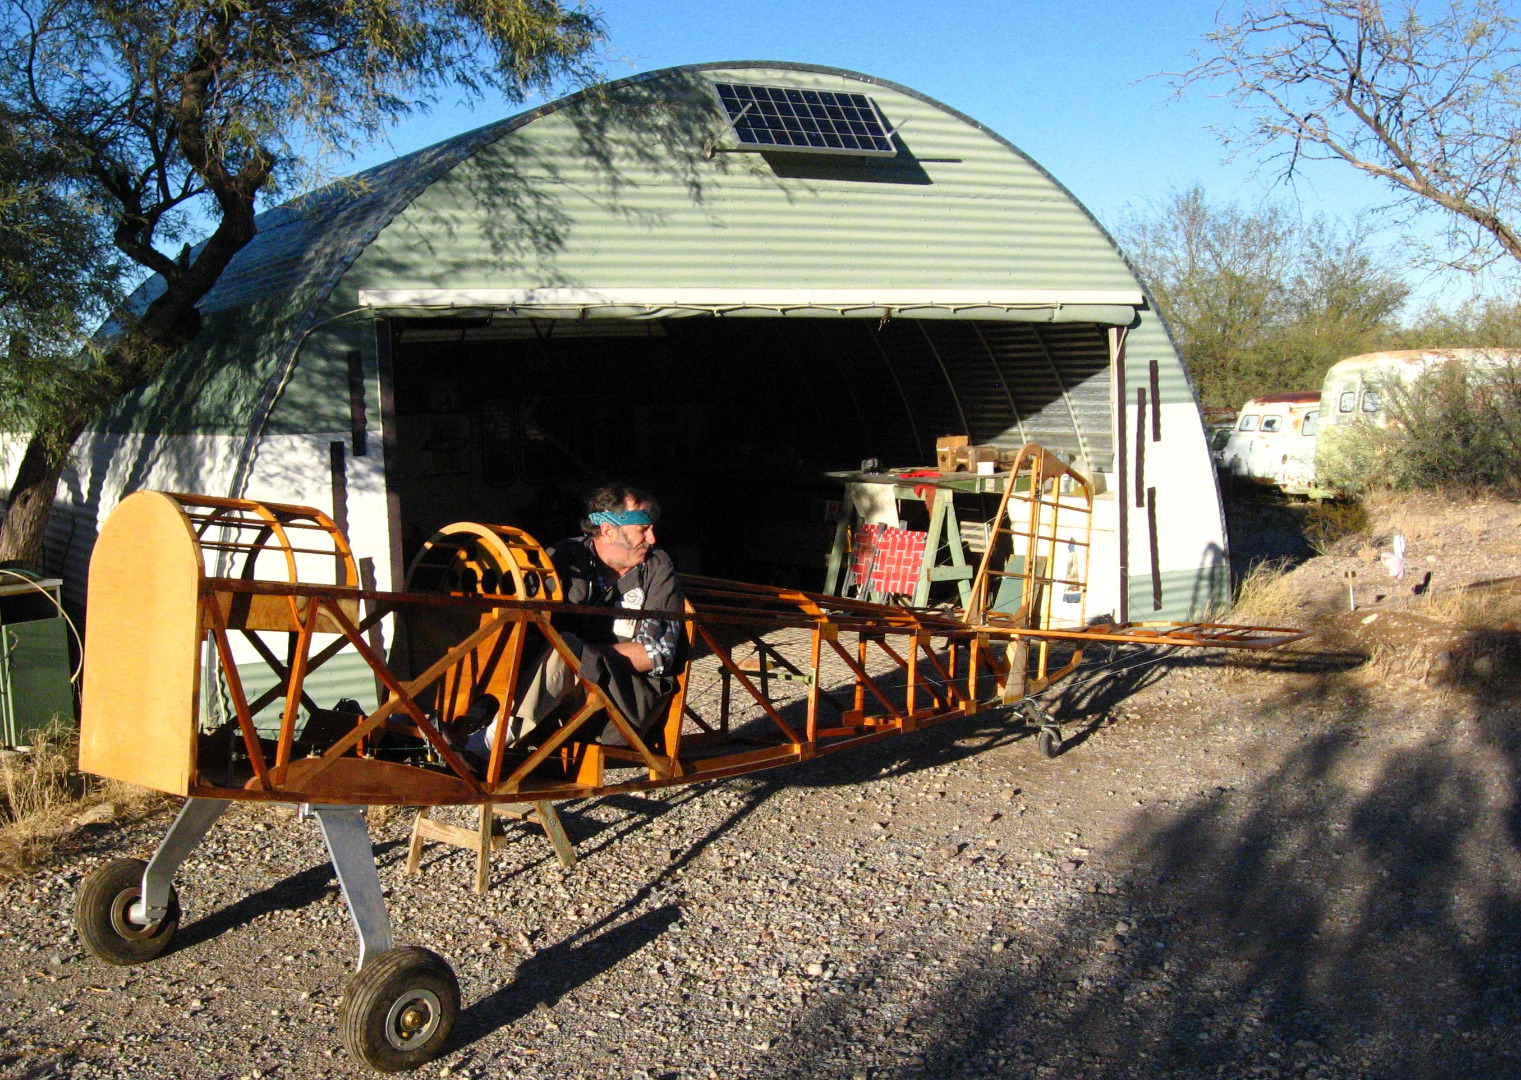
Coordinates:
x,y
1048,740
399,1008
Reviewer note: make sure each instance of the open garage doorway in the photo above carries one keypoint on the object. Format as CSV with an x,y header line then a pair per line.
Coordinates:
x,y
733,423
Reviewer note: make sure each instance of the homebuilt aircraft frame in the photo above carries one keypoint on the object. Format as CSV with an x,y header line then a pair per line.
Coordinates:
x,y
176,581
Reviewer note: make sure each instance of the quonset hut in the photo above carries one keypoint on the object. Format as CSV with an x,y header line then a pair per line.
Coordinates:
x,y
648,281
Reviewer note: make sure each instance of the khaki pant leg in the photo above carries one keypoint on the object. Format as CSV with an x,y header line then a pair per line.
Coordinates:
x,y
550,683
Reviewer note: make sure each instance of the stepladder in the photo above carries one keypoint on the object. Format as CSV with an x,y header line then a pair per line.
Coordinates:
x,y
486,837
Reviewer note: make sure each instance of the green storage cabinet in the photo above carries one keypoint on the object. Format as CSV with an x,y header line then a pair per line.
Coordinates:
x,y
34,661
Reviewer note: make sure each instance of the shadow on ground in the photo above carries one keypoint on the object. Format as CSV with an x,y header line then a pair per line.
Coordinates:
x,y
1356,912
1263,524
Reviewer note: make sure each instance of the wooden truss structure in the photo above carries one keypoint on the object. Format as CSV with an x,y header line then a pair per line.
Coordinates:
x,y
482,605
176,580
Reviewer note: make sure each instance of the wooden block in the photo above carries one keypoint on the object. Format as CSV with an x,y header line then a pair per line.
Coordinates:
x,y
947,448
584,762
457,835
590,772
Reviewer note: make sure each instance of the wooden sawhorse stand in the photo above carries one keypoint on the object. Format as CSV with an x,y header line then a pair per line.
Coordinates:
x,y
484,840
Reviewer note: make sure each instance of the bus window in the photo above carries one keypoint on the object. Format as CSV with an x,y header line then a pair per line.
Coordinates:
x,y
1370,401
1348,401
1272,423
1248,423
1311,422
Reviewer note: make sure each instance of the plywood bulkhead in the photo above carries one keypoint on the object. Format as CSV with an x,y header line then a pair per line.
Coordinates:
x,y
141,672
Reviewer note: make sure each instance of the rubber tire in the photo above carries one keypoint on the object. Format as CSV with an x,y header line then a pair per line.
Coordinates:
x,y
369,999
1049,742
100,910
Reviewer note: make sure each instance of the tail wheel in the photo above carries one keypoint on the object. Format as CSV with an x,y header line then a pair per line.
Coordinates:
x,y
1049,741
102,915
399,1011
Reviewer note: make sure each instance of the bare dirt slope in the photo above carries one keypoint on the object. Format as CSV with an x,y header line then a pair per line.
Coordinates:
x,y
1304,869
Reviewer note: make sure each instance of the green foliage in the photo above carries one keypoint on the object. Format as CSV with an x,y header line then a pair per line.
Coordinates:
x,y
162,101
59,276
1479,324
1456,427
1258,301
165,115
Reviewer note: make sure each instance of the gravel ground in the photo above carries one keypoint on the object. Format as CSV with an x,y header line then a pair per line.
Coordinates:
x,y
1297,869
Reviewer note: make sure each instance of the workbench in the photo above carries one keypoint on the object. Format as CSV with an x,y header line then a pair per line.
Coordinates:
x,y
944,534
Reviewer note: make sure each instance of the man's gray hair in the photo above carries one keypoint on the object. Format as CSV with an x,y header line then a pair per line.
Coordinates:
x,y
616,496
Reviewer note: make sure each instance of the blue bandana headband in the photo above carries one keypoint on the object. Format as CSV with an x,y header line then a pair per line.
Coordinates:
x,y
620,517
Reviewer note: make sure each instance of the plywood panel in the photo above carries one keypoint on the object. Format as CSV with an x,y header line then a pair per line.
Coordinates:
x,y
141,673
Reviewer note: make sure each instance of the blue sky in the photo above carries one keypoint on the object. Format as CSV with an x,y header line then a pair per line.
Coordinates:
x,y
1072,84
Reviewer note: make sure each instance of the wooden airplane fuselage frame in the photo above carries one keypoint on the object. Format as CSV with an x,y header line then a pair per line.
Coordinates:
x,y
165,590
174,577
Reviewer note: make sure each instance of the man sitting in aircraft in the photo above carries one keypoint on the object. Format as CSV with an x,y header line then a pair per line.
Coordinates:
x,y
614,563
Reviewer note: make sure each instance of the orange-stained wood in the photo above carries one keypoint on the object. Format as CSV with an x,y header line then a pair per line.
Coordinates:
x,y
283,614
239,701
381,783
153,577
142,655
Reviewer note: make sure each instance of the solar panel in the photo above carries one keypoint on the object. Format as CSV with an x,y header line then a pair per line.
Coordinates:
x,y
812,121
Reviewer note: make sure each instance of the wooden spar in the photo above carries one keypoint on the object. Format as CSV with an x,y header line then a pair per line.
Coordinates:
x,y
479,599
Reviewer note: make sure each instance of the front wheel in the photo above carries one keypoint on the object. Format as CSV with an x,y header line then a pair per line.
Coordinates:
x,y
102,915
1049,741
398,1012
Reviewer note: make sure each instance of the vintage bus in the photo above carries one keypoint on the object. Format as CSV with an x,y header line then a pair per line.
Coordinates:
x,y
1273,441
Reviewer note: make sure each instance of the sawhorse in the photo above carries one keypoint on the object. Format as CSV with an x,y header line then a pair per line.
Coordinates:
x,y
485,839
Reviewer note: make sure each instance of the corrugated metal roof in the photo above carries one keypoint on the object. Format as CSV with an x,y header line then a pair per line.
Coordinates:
x,y
615,190
593,199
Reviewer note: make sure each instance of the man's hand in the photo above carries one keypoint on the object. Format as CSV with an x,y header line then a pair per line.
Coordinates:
x,y
634,653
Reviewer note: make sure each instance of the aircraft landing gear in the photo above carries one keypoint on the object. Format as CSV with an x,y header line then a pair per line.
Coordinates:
x,y
399,1008
1048,740
101,915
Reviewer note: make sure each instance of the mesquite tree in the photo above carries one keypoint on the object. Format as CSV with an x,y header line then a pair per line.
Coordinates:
x,y
1259,300
172,114
1426,97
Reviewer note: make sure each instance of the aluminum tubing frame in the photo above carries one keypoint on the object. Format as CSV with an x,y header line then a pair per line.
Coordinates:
x,y
195,818
348,843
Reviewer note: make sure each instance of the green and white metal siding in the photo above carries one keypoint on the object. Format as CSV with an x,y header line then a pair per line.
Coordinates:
x,y
615,192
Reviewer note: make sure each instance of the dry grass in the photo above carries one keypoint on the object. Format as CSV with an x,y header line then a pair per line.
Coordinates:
x,y
43,794
1476,607
1427,513
1268,596
1329,522
379,816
